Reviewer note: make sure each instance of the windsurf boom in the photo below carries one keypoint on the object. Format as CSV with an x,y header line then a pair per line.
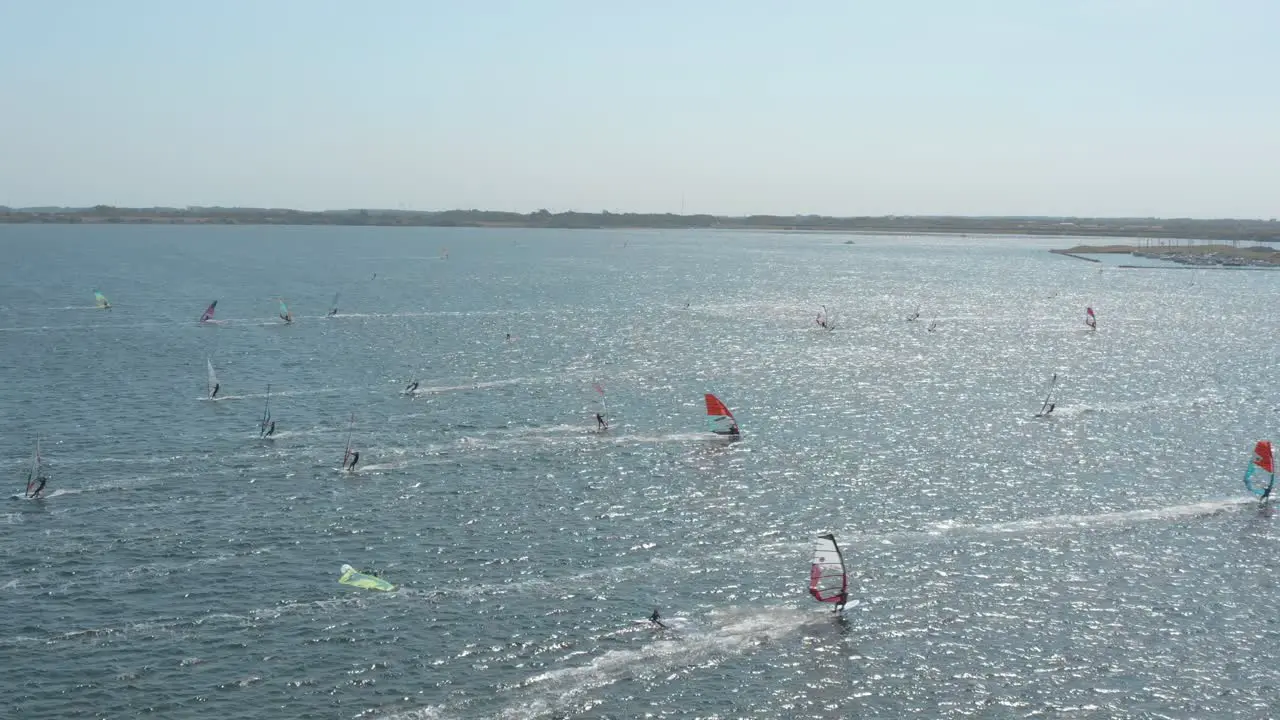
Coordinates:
x,y
720,420
1263,462
828,577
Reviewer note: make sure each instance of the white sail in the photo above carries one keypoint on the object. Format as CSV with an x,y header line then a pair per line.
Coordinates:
x,y
1047,406
828,576
213,377
35,460
35,468
346,455
266,415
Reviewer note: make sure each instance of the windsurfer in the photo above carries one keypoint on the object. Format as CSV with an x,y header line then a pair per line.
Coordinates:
x,y
412,388
332,312
214,394
271,429
39,488
733,429
601,423
656,619
355,458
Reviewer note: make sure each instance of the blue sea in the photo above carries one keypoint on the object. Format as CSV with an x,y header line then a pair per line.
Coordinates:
x,y
1105,562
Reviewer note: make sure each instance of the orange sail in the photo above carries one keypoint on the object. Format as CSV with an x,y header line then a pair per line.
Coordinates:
x,y
1262,456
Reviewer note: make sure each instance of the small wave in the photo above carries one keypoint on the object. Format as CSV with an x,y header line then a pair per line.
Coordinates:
x,y
469,386
1125,517
724,633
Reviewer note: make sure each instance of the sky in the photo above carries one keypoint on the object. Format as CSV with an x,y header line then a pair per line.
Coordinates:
x,y
1120,108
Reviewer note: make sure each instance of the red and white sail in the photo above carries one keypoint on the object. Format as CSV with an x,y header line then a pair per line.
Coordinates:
x,y
828,577
719,418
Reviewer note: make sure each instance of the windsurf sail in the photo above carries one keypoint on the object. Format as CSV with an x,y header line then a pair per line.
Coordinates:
x,y
1047,407
266,414
208,312
825,321
1090,319
346,455
604,405
285,315
33,475
1263,462
333,306
351,576
213,377
719,418
828,577
100,301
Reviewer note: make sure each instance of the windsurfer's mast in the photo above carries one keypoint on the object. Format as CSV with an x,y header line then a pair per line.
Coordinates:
x,y
1052,384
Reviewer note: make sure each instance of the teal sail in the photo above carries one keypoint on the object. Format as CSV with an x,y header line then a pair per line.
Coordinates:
x,y
100,301
285,315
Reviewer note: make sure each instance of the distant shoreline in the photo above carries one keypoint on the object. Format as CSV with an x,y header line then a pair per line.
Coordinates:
x,y
1186,256
1266,231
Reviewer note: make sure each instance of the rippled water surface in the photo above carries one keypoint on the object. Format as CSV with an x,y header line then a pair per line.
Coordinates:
x,y
1106,562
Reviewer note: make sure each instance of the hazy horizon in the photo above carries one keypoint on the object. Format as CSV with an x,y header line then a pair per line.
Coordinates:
x,y
1126,109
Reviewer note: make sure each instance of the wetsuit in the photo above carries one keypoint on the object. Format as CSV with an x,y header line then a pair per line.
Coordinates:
x,y
215,390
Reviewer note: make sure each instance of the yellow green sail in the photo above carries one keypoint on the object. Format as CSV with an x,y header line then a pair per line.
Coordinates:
x,y
350,576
